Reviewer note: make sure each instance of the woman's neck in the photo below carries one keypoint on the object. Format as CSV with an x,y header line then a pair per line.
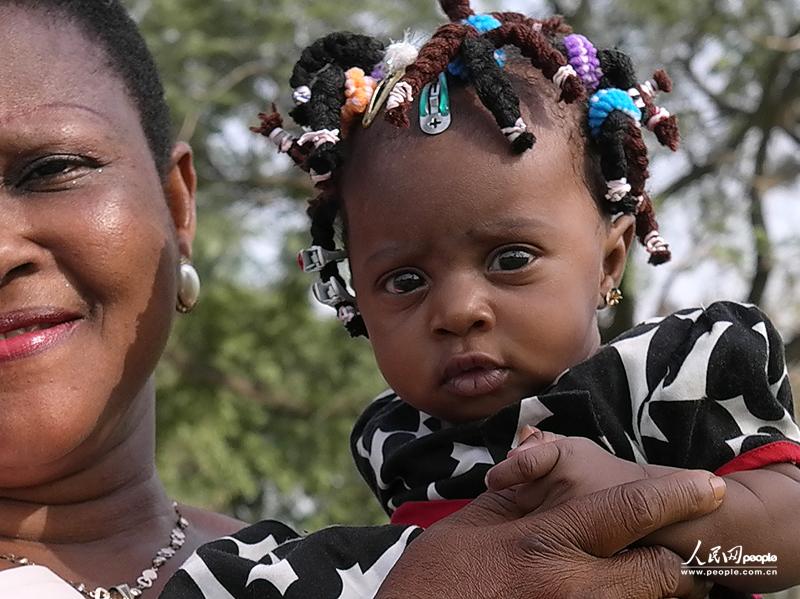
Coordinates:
x,y
109,497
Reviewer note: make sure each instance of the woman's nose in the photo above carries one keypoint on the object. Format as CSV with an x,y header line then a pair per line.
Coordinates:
x,y
18,253
462,307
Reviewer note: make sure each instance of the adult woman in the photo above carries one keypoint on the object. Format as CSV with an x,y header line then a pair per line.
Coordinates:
x,y
97,213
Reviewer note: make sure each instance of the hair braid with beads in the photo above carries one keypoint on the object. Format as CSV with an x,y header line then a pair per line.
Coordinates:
x,y
331,68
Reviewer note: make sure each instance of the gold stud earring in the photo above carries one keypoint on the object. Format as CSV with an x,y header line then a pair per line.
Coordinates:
x,y
613,297
188,287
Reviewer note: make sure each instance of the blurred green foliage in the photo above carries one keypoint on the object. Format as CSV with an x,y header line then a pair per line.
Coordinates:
x,y
257,392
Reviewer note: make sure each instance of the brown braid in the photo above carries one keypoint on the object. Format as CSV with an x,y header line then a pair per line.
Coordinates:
x,y
636,157
542,54
270,122
666,131
551,26
433,58
645,224
456,10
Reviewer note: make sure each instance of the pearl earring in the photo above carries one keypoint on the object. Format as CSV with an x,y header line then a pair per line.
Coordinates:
x,y
188,287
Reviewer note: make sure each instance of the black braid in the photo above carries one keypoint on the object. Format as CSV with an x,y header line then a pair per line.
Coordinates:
x,y
322,66
612,139
494,88
323,212
617,68
325,112
341,48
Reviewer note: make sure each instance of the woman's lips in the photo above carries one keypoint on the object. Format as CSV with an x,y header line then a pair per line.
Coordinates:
x,y
472,375
25,334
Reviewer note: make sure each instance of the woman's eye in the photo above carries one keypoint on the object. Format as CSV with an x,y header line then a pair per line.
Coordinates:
x,y
53,172
403,282
513,259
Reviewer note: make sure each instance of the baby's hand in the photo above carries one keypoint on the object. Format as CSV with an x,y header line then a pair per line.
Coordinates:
x,y
548,469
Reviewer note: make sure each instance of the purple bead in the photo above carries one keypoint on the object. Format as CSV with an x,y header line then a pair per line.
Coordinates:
x,y
582,55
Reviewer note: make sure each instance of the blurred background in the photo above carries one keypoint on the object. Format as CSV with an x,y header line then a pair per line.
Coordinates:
x,y
259,388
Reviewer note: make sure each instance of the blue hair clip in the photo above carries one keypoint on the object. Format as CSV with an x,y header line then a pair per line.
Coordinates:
x,y
606,101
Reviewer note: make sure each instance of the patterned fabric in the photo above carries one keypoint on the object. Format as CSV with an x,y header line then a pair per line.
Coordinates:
x,y
699,389
269,560
693,390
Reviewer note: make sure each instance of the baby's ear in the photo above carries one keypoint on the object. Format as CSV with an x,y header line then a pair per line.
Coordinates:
x,y
615,251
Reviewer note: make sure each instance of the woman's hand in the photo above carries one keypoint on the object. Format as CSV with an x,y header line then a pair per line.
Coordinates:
x,y
490,549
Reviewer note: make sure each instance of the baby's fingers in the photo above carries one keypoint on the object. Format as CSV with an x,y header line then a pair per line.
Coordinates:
x,y
524,466
530,436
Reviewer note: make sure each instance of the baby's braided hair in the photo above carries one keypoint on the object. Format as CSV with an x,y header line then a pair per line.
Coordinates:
x,y
337,72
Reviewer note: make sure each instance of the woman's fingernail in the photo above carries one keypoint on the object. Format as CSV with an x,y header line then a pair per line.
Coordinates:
x,y
718,485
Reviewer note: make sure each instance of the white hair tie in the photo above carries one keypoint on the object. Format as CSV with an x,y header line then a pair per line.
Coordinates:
x,y
316,178
563,74
323,136
655,243
282,138
660,115
401,93
617,189
302,94
515,130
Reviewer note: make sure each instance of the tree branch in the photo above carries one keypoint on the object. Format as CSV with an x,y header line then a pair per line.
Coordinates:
x,y
233,78
721,103
762,241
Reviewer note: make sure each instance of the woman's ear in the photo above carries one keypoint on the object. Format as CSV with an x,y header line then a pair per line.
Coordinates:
x,y
615,252
180,188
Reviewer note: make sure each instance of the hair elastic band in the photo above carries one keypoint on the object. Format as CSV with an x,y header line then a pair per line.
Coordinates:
x,y
517,129
282,139
564,73
401,93
318,138
661,114
606,101
302,95
617,189
582,55
317,177
654,243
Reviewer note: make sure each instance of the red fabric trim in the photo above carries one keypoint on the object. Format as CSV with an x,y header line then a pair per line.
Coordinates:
x,y
425,513
779,452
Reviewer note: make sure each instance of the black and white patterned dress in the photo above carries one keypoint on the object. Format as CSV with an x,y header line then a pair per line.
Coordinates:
x,y
702,388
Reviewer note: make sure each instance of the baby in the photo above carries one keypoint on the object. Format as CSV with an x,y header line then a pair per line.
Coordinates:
x,y
482,240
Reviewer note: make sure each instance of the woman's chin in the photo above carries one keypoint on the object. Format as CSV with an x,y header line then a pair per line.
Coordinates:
x,y
41,441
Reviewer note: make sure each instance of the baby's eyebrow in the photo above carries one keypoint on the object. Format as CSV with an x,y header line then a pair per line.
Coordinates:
x,y
504,225
387,252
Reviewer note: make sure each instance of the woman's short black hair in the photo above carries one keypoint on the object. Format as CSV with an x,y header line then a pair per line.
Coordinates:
x,y
107,24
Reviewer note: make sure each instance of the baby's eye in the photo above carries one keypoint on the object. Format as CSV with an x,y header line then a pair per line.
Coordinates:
x,y
53,173
512,259
403,282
